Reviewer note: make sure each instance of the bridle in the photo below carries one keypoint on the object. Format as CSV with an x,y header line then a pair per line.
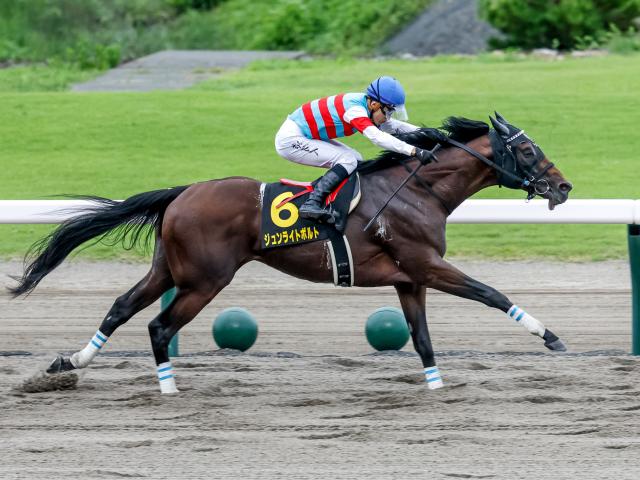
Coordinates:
x,y
510,172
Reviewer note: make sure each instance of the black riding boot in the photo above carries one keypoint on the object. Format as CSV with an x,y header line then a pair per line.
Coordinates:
x,y
313,208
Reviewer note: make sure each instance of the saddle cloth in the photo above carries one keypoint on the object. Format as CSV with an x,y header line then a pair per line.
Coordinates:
x,y
281,224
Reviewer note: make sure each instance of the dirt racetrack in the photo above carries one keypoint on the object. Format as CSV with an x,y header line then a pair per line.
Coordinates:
x,y
310,400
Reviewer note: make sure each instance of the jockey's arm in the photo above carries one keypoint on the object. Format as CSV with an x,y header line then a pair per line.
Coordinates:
x,y
386,141
397,126
359,119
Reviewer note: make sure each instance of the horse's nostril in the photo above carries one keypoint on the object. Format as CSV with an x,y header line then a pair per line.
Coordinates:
x,y
565,187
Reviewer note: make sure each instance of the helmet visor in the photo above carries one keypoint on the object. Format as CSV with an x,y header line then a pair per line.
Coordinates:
x,y
400,113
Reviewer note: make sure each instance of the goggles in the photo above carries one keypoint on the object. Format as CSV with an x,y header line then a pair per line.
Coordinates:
x,y
398,112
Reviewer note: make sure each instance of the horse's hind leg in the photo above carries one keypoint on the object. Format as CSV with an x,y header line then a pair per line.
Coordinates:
x,y
143,294
412,299
187,303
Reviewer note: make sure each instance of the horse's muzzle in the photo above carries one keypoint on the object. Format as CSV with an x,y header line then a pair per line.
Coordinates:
x,y
558,194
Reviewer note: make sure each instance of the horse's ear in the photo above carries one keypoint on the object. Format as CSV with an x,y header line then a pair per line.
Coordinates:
x,y
499,127
501,119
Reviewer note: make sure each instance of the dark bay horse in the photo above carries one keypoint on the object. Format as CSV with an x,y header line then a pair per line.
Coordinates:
x,y
206,231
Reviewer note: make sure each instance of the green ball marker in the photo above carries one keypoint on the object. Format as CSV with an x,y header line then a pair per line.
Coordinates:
x,y
235,328
386,329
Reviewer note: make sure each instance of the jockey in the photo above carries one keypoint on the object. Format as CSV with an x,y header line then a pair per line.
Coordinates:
x,y
308,135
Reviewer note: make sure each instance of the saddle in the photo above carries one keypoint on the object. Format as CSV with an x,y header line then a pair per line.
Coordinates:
x,y
281,224
331,202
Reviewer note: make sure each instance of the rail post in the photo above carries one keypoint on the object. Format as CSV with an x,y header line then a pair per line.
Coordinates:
x,y
634,261
167,298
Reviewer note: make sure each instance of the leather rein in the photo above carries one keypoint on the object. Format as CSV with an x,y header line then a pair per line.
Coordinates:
x,y
534,184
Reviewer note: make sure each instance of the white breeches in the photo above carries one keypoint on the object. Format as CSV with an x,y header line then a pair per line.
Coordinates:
x,y
293,145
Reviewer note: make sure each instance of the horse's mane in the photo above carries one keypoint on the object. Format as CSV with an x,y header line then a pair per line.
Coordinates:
x,y
457,128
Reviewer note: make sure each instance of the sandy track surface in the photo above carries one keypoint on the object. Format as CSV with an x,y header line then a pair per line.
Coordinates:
x,y
311,401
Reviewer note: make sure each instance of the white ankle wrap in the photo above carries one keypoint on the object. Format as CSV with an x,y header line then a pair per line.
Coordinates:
x,y
82,358
433,378
527,321
166,378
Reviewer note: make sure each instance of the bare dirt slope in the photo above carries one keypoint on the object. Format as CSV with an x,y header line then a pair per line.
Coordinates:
x,y
446,27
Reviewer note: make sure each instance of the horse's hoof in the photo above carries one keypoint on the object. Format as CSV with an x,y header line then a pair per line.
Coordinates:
x,y
556,346
59,365
552,342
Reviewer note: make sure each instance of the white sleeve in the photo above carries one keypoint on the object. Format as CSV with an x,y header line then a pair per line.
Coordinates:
x,y
396,126
355,112
386,141
377,136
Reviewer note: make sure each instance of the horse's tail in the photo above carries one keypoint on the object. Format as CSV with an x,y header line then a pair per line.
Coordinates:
x,y
120,221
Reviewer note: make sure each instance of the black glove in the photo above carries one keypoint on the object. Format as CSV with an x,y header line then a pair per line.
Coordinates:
x,y
425,156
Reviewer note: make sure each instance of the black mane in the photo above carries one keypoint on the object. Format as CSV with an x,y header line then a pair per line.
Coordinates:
x,y
457,128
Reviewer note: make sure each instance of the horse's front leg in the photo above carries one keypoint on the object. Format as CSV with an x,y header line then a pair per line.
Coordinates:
x,y
412,299
445,277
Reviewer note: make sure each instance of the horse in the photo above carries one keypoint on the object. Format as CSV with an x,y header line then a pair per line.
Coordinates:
x,y
206,231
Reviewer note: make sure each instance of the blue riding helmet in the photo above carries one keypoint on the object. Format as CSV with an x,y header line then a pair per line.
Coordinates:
x,y
389,92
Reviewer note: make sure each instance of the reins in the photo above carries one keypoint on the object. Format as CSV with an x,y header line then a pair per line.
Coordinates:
x,y
411,175
429,188
530,182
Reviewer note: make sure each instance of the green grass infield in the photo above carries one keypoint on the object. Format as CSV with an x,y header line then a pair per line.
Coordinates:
x,y
583,113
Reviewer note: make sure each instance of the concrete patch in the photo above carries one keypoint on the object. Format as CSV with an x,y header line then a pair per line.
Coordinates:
x,y
175,70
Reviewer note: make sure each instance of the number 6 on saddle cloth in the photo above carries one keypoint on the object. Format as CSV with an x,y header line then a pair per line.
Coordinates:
x,y
282,226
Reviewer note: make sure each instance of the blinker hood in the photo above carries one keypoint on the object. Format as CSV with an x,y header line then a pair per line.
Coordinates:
x,y
506,160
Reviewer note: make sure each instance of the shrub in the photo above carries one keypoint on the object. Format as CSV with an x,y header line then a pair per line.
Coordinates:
x,y
318,26
182,6
96,34
193,30
89,56
622,42
90,33
563,24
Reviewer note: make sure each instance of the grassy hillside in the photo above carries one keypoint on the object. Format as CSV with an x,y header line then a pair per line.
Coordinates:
x,y
98,34
583,113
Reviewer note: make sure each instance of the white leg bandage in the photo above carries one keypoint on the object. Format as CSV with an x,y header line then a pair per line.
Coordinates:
x,y
433,378
166,378
527,321
82,358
